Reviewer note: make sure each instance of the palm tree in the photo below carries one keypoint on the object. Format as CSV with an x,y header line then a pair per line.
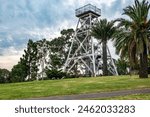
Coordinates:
x,y
125,46
104,30
133,35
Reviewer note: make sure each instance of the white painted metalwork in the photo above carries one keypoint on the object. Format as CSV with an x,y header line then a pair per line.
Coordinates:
x,y
85,54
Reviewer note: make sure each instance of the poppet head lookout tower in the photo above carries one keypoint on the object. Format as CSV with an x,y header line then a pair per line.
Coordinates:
x,y
85,54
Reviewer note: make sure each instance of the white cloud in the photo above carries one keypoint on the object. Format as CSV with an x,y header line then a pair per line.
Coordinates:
x,y
34,19
39,33
116,15
11,51
84,2
108,3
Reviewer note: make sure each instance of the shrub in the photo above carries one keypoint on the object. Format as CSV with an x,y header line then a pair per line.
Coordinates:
x,y
55,74
4,76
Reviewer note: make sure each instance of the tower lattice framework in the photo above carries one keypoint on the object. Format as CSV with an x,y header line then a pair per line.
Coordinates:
x,y
85,54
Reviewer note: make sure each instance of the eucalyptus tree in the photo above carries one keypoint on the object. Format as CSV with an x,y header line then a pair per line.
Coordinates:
x,y
104,31
133,36
43,60
59,48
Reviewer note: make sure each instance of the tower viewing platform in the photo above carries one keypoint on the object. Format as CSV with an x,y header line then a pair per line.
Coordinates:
x,y
82,11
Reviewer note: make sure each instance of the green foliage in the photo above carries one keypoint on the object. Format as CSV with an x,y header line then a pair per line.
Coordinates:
x,y
2,79
60,47
132,37
56,61
31,60
103,31
4,76
55,74
122,66
18,73
26,69
43,60
36,56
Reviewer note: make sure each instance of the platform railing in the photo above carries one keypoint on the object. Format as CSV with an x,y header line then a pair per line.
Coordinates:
x,y
87,8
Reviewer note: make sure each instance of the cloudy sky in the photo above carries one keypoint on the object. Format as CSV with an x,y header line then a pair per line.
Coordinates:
x,y
21,20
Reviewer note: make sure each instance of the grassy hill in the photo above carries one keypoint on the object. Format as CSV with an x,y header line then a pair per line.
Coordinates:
x,y
71,86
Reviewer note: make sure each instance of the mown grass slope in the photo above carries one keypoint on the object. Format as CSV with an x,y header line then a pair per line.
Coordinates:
x,y
71,86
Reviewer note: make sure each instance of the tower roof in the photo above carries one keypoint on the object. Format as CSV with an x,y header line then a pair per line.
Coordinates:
x,y
88,9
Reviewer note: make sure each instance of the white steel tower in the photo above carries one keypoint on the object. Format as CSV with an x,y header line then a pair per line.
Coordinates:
x,y
85,54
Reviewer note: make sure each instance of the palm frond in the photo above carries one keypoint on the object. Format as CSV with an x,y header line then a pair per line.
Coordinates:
x,y
103,30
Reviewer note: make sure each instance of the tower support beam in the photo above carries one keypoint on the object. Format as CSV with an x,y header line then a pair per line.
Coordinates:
x,y
85,54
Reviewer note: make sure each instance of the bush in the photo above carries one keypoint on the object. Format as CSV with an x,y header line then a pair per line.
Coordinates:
x,y
2,79
55,74
18,73
4,76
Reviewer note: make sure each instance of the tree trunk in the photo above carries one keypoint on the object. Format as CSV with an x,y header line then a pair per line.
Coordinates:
x,y
76,70
143,72
104,46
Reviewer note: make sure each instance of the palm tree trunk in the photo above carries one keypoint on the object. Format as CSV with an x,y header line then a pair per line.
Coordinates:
x,y
104,46
143,73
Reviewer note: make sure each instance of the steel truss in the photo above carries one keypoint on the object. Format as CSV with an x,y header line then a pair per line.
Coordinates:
x,y
85,54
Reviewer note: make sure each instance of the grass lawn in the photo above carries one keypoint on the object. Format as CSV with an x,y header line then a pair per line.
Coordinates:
x,y
71,86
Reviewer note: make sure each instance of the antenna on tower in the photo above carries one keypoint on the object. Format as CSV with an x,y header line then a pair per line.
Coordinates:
x,y
85,54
